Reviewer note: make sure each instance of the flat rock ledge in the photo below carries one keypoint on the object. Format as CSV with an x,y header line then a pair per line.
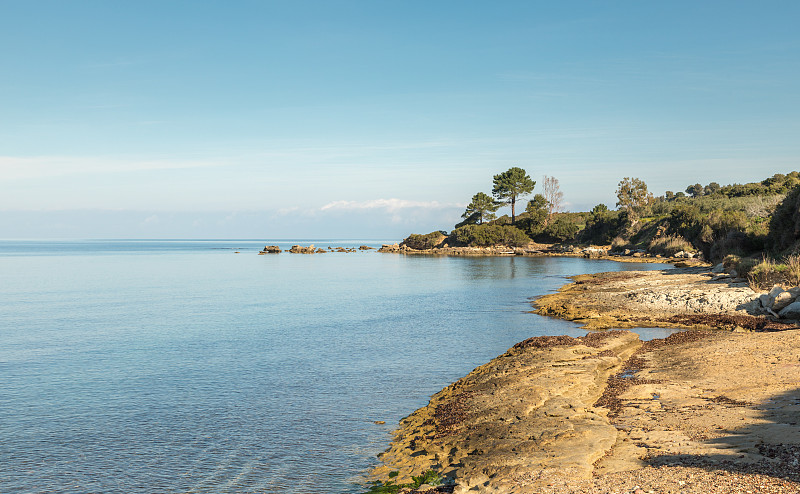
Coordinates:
x,y
691,297
697,412
523,420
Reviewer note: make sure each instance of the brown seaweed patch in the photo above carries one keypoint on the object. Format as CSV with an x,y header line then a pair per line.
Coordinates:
x,y
594,340
604,353
547,342
724,400
448,417
729,321
680,337
603,278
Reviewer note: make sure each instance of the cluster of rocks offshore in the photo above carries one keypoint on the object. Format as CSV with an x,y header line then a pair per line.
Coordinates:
x,y
311,249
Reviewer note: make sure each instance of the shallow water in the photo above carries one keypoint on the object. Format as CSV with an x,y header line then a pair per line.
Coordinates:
x,y
180,366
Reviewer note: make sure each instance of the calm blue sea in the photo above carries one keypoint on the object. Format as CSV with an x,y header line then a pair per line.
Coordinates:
x,y
186,367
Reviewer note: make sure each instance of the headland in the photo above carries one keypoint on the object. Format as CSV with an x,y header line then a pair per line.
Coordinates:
x,y
610,413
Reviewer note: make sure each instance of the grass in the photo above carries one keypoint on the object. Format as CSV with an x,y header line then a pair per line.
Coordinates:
x,y
669,245
768,273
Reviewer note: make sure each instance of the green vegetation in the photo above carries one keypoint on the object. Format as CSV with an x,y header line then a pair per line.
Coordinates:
x,y
511,185
750,226
669,245
632,196
481,208
431,477
487,235
423,242
768,272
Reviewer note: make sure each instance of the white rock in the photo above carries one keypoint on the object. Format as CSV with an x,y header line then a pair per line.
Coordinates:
x,y
791,311
782,300
775,291
718,268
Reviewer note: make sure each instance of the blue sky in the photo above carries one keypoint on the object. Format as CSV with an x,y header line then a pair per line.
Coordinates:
x,y
374,119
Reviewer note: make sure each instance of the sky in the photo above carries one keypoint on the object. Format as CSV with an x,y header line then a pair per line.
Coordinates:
x,y
374,119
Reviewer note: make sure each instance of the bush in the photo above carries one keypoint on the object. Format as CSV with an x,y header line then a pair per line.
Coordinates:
x,y
669,245
488,235
601,226
735,242
618,244
765,274
784,227
424,242
562,227
685,220
768,273
730,261
745,266
792,269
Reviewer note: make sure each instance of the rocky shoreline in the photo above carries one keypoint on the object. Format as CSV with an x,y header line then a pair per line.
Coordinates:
x,y
700,411
689,297
546,250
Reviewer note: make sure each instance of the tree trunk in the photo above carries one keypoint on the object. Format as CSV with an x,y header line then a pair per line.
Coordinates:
x,y
513,217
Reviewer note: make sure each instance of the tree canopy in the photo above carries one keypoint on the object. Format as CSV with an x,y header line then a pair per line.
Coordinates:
x,y
632,195
481,208
510,185
552,193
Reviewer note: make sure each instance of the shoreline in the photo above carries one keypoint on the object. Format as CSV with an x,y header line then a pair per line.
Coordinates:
x,y
609,413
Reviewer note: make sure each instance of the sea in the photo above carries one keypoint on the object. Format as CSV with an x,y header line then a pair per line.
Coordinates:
x,y
199,366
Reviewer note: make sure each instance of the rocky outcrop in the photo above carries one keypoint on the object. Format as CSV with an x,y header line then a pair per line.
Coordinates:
x,y
685,297
496,250
270,249
298,249
392,248
520,421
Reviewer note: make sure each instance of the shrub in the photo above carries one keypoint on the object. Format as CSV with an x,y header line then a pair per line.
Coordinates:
x,y
601,226
619,244
792,269
669,245
784,227
746,266
562,227
765,274
423,242
734,242
685,220
488,235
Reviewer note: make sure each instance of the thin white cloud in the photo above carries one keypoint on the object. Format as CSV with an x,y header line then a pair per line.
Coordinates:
x,y
390,205
36,167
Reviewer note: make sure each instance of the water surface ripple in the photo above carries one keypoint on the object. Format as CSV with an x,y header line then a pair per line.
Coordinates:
x,y
182,367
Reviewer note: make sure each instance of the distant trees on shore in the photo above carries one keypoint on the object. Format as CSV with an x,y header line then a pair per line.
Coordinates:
x,y
712,220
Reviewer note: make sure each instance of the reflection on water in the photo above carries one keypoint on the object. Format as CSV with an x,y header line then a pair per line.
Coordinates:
x,y
182,367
